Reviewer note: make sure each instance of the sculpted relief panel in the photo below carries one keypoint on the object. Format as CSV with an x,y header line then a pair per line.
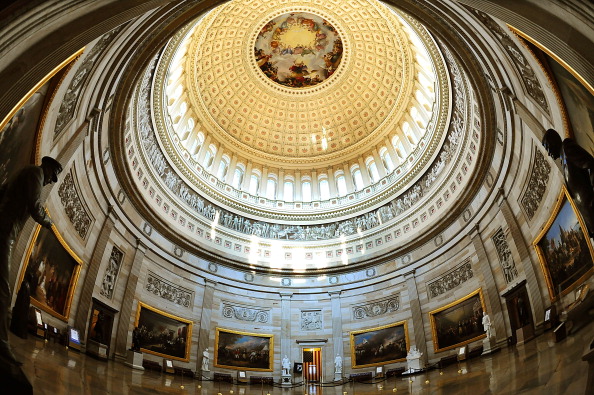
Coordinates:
x,y
73,206
537,183
243,313
450,280
166,290
111,272
505,256
376,308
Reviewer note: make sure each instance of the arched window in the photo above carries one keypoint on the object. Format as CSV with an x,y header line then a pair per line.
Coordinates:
x,y
357,178
387,160
372,170
254,184
306,191
237,178
271,189
209,157
324,189
288,191
223,167
341,185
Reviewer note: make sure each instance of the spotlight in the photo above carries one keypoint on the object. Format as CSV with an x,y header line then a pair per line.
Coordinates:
x,y
182,387
441,373
426,381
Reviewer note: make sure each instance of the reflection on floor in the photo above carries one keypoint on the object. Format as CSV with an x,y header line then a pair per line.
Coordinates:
x,y
538,367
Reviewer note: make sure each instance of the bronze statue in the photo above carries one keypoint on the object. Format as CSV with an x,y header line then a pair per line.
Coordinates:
x,y
578,172
20,312
19,199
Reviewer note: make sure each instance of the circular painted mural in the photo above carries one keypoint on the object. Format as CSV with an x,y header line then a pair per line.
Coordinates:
x,y
298,50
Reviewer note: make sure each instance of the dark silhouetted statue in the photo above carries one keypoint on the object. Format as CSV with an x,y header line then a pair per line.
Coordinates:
x,y
20,312
19,200
578,172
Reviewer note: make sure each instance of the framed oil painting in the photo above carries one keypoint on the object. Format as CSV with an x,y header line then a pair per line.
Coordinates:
x,y
53,270
163,334
458,323
379,346
564,250
243,351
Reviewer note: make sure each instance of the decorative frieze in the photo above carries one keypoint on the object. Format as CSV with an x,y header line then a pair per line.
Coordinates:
x,y
73,206
244,313
267,230
537,184
377,307
171,292
311,320
111,272
450,280
527,74
505,256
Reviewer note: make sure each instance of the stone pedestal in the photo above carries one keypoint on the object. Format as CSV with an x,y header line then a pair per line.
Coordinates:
x,y
413,364
286,380
205,375
489,345
337,376
134,360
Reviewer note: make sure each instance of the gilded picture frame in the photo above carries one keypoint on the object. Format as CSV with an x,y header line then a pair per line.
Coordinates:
x,y
379,346
243,350
163,334
54,269
564,249
458,323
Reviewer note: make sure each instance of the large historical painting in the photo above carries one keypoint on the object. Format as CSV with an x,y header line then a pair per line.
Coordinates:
x,y
458,323
163,334
564,251
53,268
298,50
244,351
379,346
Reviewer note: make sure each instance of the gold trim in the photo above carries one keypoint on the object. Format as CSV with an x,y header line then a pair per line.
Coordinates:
x,y
546,69
554,56
265,335
434,330
190,323
73,280
543,264
37,86
66,69
352,337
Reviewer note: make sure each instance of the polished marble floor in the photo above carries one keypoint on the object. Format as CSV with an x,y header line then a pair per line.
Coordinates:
x,y
537,367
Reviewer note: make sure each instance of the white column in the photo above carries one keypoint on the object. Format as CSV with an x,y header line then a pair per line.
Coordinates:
x,y
379,163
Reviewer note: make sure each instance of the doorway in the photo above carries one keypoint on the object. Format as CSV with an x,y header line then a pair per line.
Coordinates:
x,y
312,364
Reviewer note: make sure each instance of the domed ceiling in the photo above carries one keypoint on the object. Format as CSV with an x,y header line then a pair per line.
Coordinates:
x,y
293,129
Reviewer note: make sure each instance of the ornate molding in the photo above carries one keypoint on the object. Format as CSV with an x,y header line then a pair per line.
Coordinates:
x,y
244,313
531,83
450,280
537,184
311,320
111,272
505,256
169,291
376,308
66,111
74,207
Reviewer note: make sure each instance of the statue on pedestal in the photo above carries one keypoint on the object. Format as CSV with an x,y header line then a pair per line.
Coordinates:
x,y
578,173
338,364
487,325
286,366
413,359
205,360
19,200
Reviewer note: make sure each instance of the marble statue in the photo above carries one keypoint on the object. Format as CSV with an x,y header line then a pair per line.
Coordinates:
x,y
286,366
338,364
487,325
19,200
578,173
205,360
413,360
